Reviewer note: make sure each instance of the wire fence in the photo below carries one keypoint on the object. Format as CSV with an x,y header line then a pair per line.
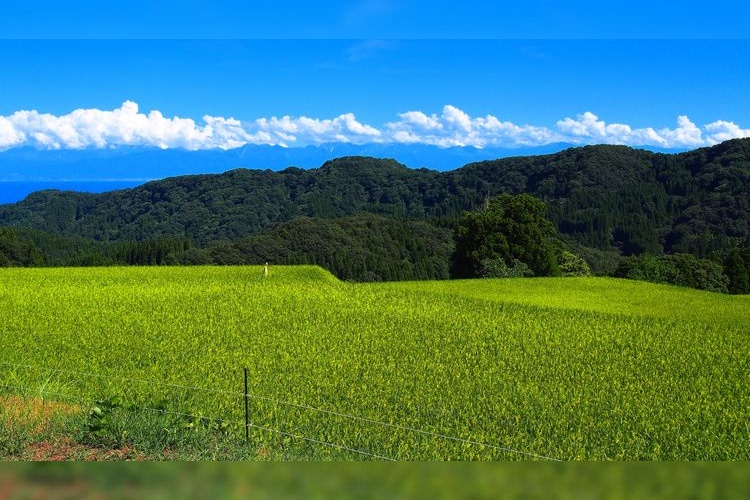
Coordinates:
x,y
407,449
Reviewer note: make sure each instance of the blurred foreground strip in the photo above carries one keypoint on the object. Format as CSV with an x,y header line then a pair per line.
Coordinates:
x,y
379,480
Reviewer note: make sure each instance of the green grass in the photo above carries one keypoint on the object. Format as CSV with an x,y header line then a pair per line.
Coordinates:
x,y
588,368
604,295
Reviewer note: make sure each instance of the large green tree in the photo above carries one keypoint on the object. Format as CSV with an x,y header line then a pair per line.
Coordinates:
x,y
508,232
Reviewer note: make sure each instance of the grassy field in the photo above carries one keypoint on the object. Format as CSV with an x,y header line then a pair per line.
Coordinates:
x,y
491,369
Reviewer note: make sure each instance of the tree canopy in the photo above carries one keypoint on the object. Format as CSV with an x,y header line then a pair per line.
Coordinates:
x,y
605,202
602,197
508,229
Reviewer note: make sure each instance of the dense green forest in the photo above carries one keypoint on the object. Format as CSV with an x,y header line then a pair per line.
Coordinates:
x,y
369,219
362,247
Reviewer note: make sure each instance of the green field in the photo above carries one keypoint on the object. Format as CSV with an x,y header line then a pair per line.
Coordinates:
x,y
566,368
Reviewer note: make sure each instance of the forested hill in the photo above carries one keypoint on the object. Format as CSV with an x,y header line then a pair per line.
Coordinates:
x,y
605,197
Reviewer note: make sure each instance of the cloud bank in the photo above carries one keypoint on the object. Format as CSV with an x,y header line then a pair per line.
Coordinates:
x,y
128,126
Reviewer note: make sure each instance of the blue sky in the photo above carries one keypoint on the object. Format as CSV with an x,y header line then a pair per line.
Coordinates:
x,y
374,19
371,71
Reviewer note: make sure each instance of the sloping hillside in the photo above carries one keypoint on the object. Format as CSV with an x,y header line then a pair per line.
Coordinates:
x,y
605,197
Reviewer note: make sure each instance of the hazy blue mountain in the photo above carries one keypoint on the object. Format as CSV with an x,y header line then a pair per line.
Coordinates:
x,y
135,163
26,170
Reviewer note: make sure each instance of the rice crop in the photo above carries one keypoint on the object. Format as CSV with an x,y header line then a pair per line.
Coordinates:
x,y
573,368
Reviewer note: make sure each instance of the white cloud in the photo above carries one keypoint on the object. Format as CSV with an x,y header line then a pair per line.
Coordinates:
x,y
455,127
687,134
9,135
588,128
128,126
419,119
720,131
457,119
124,126
585,125
287,130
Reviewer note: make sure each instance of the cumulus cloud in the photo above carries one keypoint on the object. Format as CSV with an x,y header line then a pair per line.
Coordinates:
x,y
720,131
124,126
288,130
128,126
588,128
454,127
9,135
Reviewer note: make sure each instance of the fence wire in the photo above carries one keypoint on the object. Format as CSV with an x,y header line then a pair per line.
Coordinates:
x,y
236,394
162,411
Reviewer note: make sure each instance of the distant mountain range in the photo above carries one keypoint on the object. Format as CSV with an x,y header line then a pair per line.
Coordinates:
x,y
26,170
611,198
142,164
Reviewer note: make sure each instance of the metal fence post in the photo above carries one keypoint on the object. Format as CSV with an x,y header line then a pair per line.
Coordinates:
x,y
247,412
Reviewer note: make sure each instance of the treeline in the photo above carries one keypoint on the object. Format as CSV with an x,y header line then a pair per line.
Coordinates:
x,y
363,247
623,211
359,248
366,247
34,248
729,273
510,237
610,198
